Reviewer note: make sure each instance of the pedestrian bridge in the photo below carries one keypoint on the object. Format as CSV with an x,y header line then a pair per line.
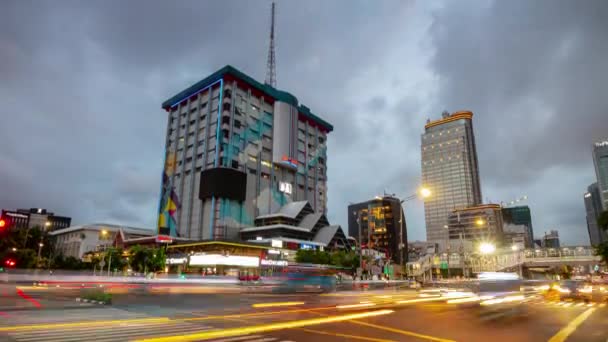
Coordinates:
x,y
507,260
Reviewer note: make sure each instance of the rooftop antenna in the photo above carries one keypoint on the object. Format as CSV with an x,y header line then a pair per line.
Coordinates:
x,y
271,68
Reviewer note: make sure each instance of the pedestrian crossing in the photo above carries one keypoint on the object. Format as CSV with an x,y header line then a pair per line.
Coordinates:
x,y
72,315
127,332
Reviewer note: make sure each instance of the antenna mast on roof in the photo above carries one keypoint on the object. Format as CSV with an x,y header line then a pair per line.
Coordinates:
x,y
271,68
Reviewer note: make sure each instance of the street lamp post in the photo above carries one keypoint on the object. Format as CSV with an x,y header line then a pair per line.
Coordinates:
x,y
424,193
40,245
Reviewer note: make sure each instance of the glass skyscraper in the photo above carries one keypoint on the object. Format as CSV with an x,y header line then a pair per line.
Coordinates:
x,y
593,208
450,169
600,160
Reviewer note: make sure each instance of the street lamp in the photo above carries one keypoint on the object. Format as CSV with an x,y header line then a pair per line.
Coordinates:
x,y
423,192
14,249
40,245
47,224
487,248
480,222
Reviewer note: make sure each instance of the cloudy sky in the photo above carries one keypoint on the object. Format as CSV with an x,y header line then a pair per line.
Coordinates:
x,y
81,84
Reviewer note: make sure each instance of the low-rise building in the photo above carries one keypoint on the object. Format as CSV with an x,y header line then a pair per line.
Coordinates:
x,y
472,226
76,241
551,239
297,226
34,217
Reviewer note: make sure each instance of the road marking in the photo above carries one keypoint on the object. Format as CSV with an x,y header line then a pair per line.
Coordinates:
x,y
240,338
563,334
266,327
267,313
270,305
402,332
350,337
85,323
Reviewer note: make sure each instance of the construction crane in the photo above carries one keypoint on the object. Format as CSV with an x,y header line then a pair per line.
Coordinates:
x,y
271,68
514,202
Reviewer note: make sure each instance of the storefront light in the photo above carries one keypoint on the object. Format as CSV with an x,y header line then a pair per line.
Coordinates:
x,y
217,259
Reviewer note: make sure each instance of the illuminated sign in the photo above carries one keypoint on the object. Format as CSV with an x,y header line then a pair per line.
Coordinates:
x,y
266,262
289,161
276,243
306,246
285,187
163,239
15,215
274,251
176,261
217,259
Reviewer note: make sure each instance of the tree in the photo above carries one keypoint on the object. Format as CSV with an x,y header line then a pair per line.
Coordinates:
x,y
113,258
602,251
146,259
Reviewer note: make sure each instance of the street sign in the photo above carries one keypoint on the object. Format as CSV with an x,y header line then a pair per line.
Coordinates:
x,y
163,239
102,263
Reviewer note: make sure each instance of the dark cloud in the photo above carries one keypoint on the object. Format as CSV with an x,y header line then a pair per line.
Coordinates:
x,y
81,85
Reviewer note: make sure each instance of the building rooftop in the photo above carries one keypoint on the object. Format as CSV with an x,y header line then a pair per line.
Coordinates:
x,y
464,114
106,226
276,94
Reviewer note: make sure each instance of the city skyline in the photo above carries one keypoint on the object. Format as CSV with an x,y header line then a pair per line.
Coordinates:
x,y
81,114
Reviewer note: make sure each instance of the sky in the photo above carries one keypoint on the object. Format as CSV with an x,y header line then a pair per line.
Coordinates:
x,y
81,83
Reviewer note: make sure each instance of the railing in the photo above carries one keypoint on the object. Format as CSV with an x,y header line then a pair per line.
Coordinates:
x,y
507,259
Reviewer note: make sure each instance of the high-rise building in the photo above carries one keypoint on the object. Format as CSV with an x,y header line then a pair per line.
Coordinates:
x,y
593,208
237,149
519,216
600,160
450,169
382,224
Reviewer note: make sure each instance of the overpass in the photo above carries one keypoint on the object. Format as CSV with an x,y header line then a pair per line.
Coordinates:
x,y
506,260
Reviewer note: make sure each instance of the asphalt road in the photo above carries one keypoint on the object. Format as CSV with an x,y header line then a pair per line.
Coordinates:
x,y
386,315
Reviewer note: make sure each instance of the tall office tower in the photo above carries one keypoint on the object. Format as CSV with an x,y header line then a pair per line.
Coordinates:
x,y
237,149
600,160
519,216
382,224
450,170
593,208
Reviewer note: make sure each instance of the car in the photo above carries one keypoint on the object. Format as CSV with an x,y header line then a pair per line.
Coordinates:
x,y
573,289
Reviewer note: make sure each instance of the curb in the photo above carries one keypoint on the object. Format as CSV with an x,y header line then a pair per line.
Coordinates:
x,y
91,301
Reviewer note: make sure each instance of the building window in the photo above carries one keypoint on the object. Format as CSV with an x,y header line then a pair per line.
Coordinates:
x,y
253,171
265,175
237,124
199,156
235,164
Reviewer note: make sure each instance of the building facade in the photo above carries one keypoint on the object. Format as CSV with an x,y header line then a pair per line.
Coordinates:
x,y
519,216
297,226
551,239
379,224
237,149
35,217
450,169
468,227
78,240
600,161
593,208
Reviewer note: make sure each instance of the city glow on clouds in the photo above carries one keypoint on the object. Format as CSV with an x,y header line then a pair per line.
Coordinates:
x,y
82,84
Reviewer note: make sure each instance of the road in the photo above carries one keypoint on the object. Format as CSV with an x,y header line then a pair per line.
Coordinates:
x,y
379,315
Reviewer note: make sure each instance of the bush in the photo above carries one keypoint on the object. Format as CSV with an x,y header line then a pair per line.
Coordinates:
x,y
99,296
